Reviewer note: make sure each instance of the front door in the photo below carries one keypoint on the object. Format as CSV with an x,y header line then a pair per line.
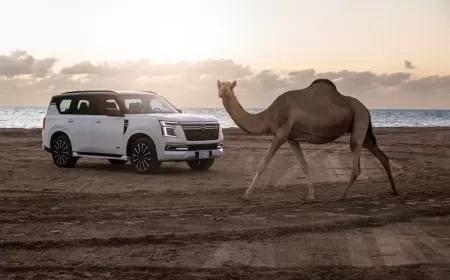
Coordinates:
x,y
108,131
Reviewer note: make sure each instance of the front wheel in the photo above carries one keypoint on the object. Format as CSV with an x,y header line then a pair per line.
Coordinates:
x,y
200,164
62,152
143,156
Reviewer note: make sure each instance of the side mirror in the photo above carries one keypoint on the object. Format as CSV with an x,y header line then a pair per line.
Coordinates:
x,y
113,112
179,111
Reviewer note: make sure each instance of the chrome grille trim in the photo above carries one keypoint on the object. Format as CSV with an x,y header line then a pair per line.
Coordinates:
x,y
201,131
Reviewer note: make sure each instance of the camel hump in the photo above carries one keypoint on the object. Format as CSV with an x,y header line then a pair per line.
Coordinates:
x,y
324,81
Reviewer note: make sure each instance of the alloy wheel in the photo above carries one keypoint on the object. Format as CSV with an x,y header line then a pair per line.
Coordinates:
x,y
61,152
141,157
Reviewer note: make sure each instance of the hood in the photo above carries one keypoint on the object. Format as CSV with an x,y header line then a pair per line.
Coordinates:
x,y
185,117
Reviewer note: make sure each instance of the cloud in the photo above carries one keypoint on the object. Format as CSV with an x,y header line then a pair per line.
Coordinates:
x,y
430,85
409,65
27,80
19,63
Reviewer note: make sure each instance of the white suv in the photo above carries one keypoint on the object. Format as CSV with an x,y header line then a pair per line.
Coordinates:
x,y
140,126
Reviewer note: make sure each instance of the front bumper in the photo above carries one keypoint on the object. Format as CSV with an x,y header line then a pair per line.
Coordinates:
x,y
182,152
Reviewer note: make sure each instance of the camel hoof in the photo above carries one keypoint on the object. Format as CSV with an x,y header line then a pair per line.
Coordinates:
x,y
310,197
245,197
396,194
343,196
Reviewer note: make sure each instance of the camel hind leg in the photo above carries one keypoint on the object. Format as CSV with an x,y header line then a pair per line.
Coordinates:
x,y
371,145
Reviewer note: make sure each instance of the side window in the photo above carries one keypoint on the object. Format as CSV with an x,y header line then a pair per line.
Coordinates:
x,y
83,106
105,102
111,103
134,106
64,105
157,105
132,101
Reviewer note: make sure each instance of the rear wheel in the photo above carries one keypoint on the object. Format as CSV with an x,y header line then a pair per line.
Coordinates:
x,y
200,164
143,156
117,161
62,152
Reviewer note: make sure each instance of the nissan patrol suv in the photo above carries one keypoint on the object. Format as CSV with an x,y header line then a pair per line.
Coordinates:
x,y
137,126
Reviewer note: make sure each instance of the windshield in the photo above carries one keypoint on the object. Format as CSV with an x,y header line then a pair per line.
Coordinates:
x,y
147,104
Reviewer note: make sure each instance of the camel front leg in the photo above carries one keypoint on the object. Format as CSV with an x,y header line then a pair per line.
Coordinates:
x,y
276,144
356,169
299,154
359,131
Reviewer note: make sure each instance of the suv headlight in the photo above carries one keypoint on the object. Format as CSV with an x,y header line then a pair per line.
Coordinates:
x,y
220,130
168,128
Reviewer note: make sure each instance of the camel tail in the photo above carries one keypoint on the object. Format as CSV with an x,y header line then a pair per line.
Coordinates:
x,y
370,136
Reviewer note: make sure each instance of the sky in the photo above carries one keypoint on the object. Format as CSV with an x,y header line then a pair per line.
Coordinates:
x,y
390,54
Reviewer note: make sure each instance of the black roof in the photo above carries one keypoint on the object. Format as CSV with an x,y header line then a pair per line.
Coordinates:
x,y
105,92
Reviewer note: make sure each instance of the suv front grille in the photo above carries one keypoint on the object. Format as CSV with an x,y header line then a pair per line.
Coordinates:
x,y
201,132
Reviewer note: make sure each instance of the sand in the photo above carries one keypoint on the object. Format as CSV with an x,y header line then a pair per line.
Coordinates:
x,y
99,221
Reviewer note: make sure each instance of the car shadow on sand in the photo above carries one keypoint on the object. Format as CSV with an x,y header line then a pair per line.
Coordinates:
x,y
166,169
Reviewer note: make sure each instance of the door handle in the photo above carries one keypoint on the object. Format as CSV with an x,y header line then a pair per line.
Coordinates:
x,y
98,121
70,121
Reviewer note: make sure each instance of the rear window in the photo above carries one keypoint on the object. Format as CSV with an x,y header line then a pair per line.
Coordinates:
x,y
63,105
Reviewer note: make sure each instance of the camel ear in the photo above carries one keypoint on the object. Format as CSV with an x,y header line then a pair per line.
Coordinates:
x,y
219,84
233,84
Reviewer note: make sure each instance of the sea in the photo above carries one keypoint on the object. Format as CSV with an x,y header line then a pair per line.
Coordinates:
x,y
31,117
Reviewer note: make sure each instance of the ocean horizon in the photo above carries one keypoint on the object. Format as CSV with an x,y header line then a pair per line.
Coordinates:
x,y
31,116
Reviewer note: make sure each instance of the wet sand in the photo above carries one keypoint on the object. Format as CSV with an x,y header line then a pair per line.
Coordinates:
x,y
99,221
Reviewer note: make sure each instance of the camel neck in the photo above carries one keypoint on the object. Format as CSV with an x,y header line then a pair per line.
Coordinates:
x,y
250,123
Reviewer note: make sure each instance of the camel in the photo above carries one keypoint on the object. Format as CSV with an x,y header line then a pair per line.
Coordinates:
x,y
317,114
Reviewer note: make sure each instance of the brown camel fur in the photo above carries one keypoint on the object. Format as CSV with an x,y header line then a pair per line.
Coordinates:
x,y
318,114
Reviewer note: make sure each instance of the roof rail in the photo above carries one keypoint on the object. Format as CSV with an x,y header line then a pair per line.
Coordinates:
x,y
149,91
84,91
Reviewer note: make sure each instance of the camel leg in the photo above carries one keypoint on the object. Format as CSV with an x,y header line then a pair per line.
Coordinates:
x,y
299,154
384,160
359,131
276,144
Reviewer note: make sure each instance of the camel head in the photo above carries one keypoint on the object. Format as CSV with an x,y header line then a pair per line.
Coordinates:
x,y
226,89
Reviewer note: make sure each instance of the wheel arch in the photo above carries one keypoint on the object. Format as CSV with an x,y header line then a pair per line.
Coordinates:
x,y
134,137
57,134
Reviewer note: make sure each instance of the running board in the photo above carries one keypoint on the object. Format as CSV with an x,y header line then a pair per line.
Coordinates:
x,y
102,156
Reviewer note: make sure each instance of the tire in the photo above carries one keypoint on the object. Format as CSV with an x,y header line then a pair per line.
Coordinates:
x,y
117,161
200,164
62,152
143,156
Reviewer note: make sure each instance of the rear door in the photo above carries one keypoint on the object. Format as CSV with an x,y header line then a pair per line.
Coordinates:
x,y
108,131
79,123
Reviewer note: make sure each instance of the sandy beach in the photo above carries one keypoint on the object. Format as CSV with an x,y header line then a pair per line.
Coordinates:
x,y
99,221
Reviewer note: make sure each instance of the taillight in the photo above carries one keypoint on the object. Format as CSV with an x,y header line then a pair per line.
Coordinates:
x,y
43,123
